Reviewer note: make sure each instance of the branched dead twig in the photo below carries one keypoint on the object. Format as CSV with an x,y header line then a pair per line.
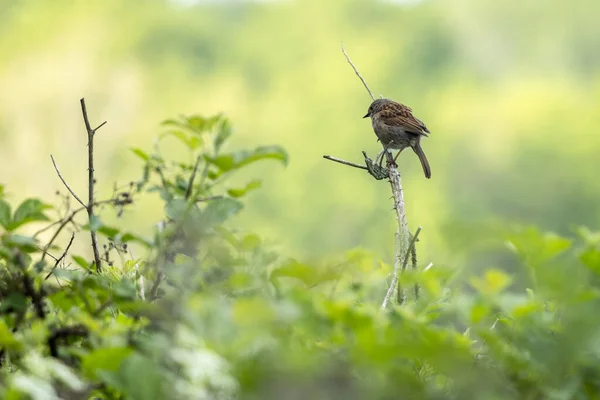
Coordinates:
x,y
65,183
372,168
59,259
349,163
402,247
91,183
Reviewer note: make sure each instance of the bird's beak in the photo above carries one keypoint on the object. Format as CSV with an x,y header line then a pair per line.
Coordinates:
x,y
368,115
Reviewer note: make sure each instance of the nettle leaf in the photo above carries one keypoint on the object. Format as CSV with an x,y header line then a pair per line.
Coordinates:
x,y
239,159
5,212
138,377
107,359
82,262
535,247
218,211
239,192
190,141
493,282
177,209
308,274
223,134
140,153
27,244
31,210
195,123
591,259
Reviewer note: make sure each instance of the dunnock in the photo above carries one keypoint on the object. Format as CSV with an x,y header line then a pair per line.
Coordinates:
x,y
398,129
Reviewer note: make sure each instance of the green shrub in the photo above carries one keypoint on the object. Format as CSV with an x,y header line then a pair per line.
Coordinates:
x,y
211,312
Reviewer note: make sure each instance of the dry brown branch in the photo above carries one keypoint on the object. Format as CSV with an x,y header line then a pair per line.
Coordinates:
x,y
357,73
62,257
65,183
91,183
402,247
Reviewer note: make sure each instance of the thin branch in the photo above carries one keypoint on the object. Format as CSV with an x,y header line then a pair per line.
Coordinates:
x,y
64,333
65,183
398,267
188,191
351,164
59,259
402,234
91,183
60,228
357,73
154,291
209,198
413,261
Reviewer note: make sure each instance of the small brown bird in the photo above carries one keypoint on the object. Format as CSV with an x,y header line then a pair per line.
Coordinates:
x,y
397,128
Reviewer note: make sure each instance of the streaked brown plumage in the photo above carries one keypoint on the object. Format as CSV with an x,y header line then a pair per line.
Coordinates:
x,y
397,128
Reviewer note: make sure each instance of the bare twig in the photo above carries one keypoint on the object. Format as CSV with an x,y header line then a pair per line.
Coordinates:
x,y
402,233
357,73
188,191
339,160
60,228
65,183
91,183
59,259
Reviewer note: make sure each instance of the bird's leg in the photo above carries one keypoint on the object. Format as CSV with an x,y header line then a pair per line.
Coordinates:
x,y
381,154
395,158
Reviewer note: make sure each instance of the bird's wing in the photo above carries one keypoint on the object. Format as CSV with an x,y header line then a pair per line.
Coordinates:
x,y
401,115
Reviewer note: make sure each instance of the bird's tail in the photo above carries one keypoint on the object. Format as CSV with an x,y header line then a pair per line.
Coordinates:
x,y
424,163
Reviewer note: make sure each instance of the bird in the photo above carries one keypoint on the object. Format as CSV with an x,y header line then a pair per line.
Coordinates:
x,y
397,128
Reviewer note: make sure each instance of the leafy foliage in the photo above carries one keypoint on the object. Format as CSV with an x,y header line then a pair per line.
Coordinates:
x,y
210,311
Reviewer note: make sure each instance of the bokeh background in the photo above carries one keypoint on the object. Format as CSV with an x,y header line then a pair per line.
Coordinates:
x,y
509,89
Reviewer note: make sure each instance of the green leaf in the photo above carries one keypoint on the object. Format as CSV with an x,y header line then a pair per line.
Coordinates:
x,y
493,282
138,378
107,359
239,192
223,134
218,211
7,340
239,159
591,259
104,230
26,243
191,142
15,300
177,209
81,261
140,153
195,123
95,223
303,272
5,212
30,210
535,247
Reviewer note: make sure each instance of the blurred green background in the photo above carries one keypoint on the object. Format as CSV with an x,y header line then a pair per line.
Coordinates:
x,y
510,91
